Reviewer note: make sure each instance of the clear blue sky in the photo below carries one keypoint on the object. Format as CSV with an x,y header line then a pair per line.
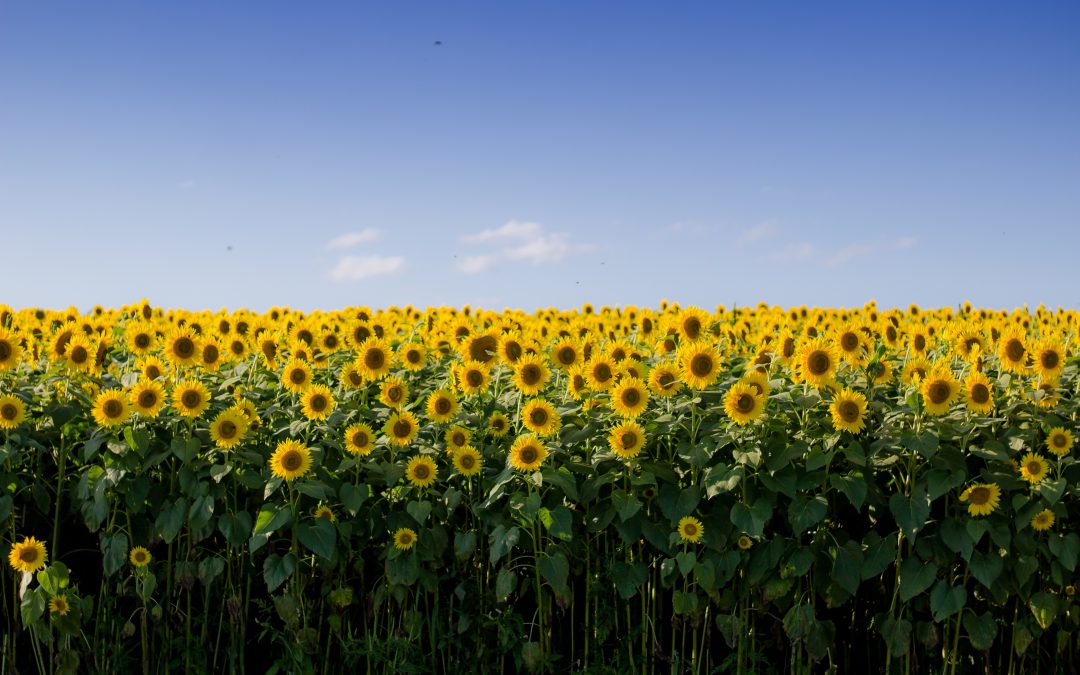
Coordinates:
x,y
545,154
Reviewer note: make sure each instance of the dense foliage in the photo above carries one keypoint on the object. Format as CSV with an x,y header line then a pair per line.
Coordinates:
x,y
603,490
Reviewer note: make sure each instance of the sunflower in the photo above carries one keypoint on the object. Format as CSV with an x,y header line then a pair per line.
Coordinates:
x,y
228,429
626,439
401,428
374,358
210,354
182,347
268,349
600,372
939,390
296,376
1047,359
1045,394
140,557
28,555
1043,520
10,350
80,354
498,424
290,460
576,383
412,356
111,408
816,361
190,398
851,344
442,405
421,471
511,348
247,409
744,543
531,374
690,530
969,342
359,439
147,398
759,381
393,393
978,393
1059,441
481,347
699,364
664,380
692,323
915,370
318,402
404,539
350,377
457,437
12,411
468,461
631,367
630,397
473,377
59,606
848,411
742,404
1033,468
540,417
1012,353
326,513
527,453
566,354
984,498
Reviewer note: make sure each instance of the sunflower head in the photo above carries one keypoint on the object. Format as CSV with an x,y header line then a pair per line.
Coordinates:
x,y
1043,520
848,411
228,428
28,555
359,440
700,364
404,538
1033,468
473,377
498,424
939,389
139,557
690,530
1059,441
317,402
291,460
59,605
393,392
541,418
191,398
401,427
816,361
531,374
296,376
527,453
457,437
468,460
412,356
111,408
442,405
147,397
626,439
12,411
630,397
421,471
664,380
982,498
374,358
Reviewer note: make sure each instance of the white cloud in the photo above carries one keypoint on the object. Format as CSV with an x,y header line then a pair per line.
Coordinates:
x,y
518,240
793,253
756,233
849,253
351,239
357,267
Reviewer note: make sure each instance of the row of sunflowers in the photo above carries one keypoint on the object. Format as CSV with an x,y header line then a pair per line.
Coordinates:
x,y
594,490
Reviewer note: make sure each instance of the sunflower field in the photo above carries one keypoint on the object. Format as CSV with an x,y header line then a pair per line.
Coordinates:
x,y
671,489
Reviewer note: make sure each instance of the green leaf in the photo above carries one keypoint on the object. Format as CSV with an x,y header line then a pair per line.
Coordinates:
x,y
798,621
1045,607
846,570
464,544
1052,490
956,537
752,519
910,514
114,549
54,578
628,577
925,443
676,503
558,521
505,583
683,602
185,449
940,481
853,486
981,629
146,585
946,600
317,490
419,511
879,556
626,505
502,541
353,496
1066,549
319,537
276,569
201,511
779,456
555,569
986,567
210,569
686,561
562,479
271,518
915,577
799,562
171,519
897,634
805,512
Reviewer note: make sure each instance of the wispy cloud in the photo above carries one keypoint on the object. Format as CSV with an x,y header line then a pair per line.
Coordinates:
x,y
357,267
863,250
518,240
351,239
756,233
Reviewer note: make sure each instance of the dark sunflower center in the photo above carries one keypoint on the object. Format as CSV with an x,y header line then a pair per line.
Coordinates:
x,y
269,349
1050,360
210,354
849,341
113,408
354,378
480,348
457,438
28,555
701,365
5,350
980,393
788,349
745,403
939,392
1014,350
1058,441
227,429
530,375
756,386
292,460
8,411
513,350
890,334
498,424
191,399
628,440
405,538
692,328
602,372
184,347
374,359
330,342
666,380
980,496
849,411
402,429
1034,468
153,372
394,394
819,363
412,356
538,417
467,461
360,334
631,397
528,455
421,472
566,356
690,529
236,347
442,406
920,342
475,378
360,439
148,399
318,403
78,354
142,340
579,382
297,376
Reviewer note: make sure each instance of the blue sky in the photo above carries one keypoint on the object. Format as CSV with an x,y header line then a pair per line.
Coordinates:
x,y
324,154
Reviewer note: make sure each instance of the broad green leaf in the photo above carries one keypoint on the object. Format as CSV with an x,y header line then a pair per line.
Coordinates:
x,y
276,569
319,537
554,569
628,577
946,600
910,514
805,512
798,621
981,629
752,519
915,577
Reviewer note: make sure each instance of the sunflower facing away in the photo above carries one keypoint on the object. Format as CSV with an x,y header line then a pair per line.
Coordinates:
x,y
848,411
318,402
527,453
690,530
982,498
404,539
359,440
401,428
1043,520
742,404
540,417
28,555
421,471
468,461
626,439
291,460
1033,468
111,408
1059,441
12,411
140,557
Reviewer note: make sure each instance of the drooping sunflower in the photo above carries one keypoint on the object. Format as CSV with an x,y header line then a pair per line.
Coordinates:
x,y
421,471
848,410
626,439
27,555
12,411
531,374
498,424
540,417
1012,353
742,404
600,372
228,429
296,376
527,453
1059,441
182,347
690,530
326,513
374,358
59,605
111,408
291,460
190,398
1033,468
457,437
404,538
630,397
664,380
359,439
442,405
982,497
699,364
401,428
1047,358
939,389
468,461
1043,520
412,355
473,377
80,354
317,402
140,557
10,350
816,361
978,393
147,397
